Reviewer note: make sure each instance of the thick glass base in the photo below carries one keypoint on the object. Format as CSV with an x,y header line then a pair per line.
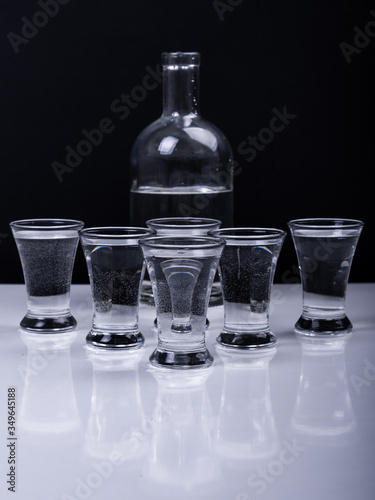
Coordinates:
x,y
319,326
247,340
115,340
181,360
49,324
206,326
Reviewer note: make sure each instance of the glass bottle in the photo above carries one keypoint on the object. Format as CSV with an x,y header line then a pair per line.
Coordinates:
x,y
181,165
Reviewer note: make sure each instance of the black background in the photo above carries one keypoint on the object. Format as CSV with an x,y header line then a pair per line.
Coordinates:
x,y
256,56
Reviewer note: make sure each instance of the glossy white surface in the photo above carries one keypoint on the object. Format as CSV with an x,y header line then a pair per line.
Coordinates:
x,y
294,423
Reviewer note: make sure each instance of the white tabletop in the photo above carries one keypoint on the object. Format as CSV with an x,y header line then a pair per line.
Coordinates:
x,y
292,423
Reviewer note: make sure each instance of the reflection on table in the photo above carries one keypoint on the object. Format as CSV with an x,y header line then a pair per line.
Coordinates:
x,y
114,429
323,412
246,428
181,460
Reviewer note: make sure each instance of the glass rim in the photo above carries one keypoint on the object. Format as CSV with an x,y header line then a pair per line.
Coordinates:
x,y
175,242
325,223
249,233
115,232
178,59
46,224
185,223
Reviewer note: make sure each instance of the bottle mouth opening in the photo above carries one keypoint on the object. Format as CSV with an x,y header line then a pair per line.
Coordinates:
x,y
172,60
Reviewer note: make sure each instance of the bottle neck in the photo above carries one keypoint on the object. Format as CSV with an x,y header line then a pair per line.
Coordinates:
x,y
180,84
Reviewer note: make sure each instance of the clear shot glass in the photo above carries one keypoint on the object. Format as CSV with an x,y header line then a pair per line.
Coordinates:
x,y
189,226
47,249
184,226
325,250
247,269
182,271
115,266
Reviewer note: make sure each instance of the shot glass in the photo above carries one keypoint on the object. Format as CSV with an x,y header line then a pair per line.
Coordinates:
x,y
115,266
246,270
182,271
47,249
184,226
188,226
325,250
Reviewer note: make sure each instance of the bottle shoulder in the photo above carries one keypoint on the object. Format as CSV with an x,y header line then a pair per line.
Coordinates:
x,y
171,133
